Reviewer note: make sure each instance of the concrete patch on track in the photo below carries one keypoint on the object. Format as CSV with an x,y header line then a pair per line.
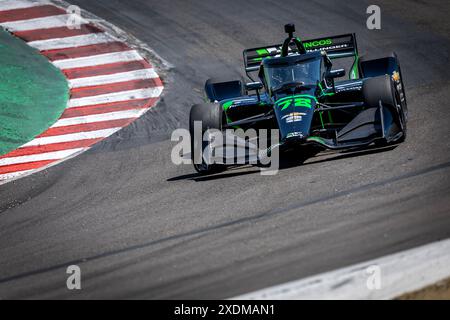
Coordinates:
x,y
111,80
397,274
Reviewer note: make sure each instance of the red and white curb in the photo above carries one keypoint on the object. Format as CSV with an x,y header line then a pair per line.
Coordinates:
x,y
111,84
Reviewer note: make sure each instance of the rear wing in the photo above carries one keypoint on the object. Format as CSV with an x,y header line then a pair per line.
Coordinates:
x,y
336,47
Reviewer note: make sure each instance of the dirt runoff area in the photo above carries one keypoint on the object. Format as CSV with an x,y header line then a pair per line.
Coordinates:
x,y
438,291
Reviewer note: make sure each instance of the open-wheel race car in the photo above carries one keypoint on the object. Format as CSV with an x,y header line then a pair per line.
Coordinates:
x,y
300,93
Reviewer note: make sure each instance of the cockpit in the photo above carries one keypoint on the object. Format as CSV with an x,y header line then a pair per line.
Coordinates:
x,y
294,70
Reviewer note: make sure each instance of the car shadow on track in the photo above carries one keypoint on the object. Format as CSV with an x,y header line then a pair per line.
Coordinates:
x,y
229,173
291,161
287,160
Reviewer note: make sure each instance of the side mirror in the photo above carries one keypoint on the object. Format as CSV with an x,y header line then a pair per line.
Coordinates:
x,y
332,74
254,86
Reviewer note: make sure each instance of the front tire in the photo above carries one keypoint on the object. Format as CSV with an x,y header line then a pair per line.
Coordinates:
x,y
210,115
382,89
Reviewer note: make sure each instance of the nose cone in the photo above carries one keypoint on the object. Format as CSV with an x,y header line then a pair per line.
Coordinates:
x,y
294,115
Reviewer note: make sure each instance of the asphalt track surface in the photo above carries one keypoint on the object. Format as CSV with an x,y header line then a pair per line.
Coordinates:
x,y
141,227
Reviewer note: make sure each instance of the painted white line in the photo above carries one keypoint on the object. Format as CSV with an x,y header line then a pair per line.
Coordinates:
x,y
39,157
72,137
70,42
12,175
19,4
400,273
113,78
100,59
39,23
125,114
116,97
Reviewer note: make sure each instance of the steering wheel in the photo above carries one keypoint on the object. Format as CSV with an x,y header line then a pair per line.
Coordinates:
x,y
289,85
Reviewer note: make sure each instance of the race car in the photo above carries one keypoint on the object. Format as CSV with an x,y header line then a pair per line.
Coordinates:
x,y
298,92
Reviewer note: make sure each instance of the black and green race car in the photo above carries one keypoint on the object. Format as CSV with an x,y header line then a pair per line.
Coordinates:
x,y
311,103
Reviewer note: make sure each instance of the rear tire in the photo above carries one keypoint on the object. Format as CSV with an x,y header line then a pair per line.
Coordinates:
x,y
211,115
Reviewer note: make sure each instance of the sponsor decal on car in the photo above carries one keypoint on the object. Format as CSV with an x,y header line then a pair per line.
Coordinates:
x,y
396,76
304,101
295,134
294,117
321,42
398,84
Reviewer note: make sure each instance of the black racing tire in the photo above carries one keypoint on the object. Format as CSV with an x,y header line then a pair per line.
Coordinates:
x,y
382,88
378,88
211,116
